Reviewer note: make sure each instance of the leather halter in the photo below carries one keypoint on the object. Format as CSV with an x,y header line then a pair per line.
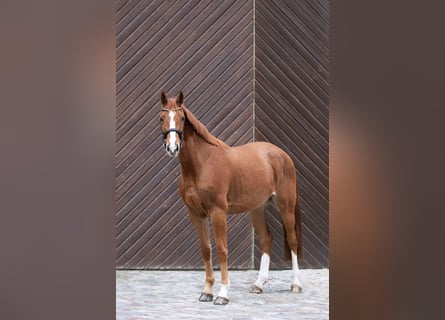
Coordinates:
x,y
180,133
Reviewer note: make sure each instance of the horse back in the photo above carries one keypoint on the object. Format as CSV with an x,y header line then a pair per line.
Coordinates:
x,y
265,156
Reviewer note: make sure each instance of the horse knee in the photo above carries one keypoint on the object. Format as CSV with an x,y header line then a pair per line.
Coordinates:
x,y
221,253
206,253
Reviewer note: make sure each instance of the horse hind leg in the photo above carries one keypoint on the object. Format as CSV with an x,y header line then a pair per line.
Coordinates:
x,y
288,207
265,238
296,286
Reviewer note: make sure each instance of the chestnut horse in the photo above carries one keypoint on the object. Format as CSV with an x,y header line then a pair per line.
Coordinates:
x,y
217,179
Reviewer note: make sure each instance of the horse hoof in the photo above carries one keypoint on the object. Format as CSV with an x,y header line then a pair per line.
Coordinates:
x,y
206,297
296,288
255,289
221,301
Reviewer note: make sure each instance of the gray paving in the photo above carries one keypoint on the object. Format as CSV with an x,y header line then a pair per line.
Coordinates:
x,y
174,295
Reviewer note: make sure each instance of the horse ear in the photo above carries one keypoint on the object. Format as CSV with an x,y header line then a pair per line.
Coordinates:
x,y
180,98
164,99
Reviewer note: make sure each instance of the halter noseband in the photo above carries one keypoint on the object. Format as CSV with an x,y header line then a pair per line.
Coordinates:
x,y
180,133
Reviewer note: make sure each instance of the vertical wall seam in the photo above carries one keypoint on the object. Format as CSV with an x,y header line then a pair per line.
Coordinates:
x,y
252,262
253,74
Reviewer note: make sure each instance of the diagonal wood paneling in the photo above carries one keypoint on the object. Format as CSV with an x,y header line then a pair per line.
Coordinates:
x,y
205,49
291,111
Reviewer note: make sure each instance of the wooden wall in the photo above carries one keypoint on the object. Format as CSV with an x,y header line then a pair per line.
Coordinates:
x,y
250,70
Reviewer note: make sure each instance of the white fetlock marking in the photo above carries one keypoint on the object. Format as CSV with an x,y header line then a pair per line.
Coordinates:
x,y
263,275
224,291
295,271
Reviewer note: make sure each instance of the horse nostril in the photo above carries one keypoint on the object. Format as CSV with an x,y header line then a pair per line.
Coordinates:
x,y
173,148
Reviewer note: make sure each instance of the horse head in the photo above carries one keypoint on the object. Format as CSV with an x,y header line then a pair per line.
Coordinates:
x,y
172,118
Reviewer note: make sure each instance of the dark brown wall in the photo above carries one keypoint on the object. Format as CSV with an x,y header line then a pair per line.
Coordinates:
x,y
206,49
291,111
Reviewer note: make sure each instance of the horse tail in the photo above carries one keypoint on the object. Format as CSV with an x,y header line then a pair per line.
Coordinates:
x,y
297,214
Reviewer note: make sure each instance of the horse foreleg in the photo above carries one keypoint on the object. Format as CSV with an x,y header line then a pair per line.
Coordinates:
x,y
219,224
202,228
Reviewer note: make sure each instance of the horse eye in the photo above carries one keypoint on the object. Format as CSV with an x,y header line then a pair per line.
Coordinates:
x,y
183,118
162,119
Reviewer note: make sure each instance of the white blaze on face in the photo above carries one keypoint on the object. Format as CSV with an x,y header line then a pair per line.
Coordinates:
x,y
172,141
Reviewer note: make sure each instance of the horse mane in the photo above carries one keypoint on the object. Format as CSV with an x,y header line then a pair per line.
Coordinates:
x,y
201,130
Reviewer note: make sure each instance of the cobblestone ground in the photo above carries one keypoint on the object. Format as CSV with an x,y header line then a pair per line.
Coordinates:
x,y
174,295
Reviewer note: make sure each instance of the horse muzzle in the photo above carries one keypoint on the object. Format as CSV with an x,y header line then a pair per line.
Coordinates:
x,y
171,142
172,149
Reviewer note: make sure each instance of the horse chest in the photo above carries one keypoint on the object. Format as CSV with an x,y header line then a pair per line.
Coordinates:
x,y
198,197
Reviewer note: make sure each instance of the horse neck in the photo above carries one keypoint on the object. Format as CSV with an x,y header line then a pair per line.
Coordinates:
x,y
194,152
